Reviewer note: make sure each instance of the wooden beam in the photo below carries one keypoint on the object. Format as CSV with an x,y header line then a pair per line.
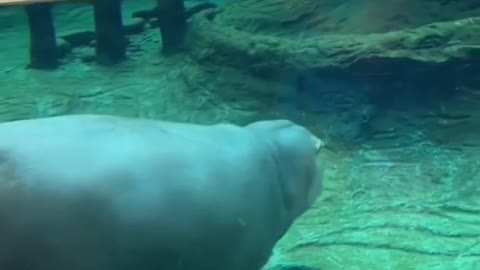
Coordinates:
x,y
43,41
172,20
110,41
27,2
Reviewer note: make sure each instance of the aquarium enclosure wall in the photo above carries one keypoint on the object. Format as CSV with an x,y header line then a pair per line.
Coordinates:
x,y
390,88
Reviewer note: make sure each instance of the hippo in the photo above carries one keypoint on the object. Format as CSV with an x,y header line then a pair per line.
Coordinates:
x,y
105,192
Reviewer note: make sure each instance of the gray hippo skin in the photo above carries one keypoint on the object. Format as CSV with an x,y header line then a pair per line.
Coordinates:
x,y
98,192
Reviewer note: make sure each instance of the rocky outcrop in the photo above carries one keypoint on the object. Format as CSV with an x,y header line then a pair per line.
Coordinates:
x,y
310,17
437,43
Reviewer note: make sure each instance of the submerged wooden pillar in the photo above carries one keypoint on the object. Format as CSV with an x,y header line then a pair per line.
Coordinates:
x,y
172,20
110,46
43,44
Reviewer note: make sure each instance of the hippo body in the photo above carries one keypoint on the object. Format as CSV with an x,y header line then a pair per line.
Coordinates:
x,y
99,192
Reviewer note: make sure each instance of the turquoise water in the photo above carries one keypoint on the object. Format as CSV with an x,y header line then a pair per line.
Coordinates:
x,y
392,88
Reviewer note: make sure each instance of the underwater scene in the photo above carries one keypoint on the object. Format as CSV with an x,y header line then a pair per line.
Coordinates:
x,y
240,135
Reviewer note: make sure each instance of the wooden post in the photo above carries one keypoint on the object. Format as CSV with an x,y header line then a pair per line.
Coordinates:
x,y
43,44
172,21
110,40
